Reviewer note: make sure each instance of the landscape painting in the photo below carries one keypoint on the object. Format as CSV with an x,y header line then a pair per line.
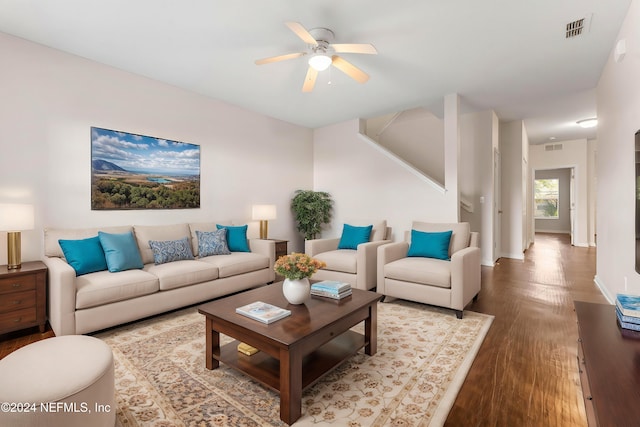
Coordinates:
x,y
130,171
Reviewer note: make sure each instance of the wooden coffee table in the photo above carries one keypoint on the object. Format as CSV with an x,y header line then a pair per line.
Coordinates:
x,y
295,351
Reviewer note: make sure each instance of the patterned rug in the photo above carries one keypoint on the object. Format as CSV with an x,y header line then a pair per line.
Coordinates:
x,y
424,354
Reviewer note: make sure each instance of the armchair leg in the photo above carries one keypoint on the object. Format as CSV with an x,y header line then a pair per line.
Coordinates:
x,y
475,299
458,314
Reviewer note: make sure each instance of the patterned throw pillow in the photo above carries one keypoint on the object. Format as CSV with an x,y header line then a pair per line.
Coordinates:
x,y
212,242
171,250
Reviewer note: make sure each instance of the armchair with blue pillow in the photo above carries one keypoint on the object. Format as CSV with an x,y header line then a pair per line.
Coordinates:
x,y
437,264
352,257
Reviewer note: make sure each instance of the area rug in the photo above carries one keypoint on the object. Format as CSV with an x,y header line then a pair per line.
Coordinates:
x,y
424,354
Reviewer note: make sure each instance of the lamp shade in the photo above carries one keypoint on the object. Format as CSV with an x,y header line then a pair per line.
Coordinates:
x,y
263,212
320,62
16,217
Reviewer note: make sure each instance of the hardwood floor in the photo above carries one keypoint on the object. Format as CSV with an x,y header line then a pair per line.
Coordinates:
x,y
525,373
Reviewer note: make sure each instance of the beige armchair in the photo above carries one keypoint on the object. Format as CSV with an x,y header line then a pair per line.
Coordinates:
x,y
446,283
357,267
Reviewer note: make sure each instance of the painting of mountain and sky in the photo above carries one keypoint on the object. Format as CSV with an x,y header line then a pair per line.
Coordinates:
x,y
130,171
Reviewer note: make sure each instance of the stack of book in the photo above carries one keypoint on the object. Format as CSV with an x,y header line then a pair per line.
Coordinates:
x,y
263,312
331,289
628,311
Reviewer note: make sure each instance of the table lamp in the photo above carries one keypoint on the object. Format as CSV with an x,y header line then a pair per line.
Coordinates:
x,y
13,219
264,213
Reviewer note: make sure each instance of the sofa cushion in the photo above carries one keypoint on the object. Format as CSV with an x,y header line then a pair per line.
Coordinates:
x,y
427,271
212,243
236,237
120,251
379,230
352,236
171,250
202,226
340,260
430,245
144,233
237,263
53,235
84,255
459,239
182,273
103,287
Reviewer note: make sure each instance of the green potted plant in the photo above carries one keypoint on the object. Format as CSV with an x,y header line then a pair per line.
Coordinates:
x,y
312,209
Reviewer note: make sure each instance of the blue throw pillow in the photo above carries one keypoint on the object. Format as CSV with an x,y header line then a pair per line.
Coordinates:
x,y
212,242
352,236
430,245
85,256
236,237
121,251
170,250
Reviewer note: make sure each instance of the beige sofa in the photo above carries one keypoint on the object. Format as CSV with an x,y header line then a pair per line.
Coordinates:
x,y
98,300
450,283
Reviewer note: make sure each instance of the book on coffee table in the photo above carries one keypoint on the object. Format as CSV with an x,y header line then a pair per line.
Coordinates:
x,y
263,312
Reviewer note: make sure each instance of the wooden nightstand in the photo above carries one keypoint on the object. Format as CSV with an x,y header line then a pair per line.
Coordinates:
x,y
23,297
281,249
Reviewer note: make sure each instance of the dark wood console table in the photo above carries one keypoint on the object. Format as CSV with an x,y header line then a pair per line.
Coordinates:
x,y
609,364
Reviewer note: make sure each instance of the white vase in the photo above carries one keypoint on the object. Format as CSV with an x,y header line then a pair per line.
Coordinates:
x,y
296,291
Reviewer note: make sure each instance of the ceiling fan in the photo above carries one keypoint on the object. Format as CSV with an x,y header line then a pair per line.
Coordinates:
x,y
323,54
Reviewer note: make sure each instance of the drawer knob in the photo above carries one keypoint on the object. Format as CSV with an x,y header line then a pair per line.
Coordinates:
x,y
16,285
18,320
16,302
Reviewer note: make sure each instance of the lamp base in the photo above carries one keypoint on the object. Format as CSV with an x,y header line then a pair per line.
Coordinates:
x,y
264,228
14,250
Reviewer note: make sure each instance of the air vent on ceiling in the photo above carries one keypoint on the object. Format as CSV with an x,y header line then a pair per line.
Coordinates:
x,y
579,26
553,147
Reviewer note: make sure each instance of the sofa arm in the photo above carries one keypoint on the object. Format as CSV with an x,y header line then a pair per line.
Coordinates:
x,y
266,248
318,246
61,296
465,276
367,262
386,254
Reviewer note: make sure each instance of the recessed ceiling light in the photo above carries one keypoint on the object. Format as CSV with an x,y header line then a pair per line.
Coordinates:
x,y
588,123
552,138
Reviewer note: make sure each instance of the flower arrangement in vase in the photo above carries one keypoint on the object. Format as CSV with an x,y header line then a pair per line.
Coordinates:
x,y
297,268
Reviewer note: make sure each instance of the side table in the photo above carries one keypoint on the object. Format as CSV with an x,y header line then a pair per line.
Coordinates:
x,y
281,249
23,295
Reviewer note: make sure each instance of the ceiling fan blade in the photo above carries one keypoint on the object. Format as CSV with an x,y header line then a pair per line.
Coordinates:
x,y
310,80
301,32
279,58
354,48
349,69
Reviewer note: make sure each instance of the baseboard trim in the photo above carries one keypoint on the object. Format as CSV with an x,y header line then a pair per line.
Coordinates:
x,y
600,284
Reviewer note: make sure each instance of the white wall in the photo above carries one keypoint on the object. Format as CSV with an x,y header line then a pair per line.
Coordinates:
x,y
417,136
478,133
618,100
51,99
365,184
514,225
574,154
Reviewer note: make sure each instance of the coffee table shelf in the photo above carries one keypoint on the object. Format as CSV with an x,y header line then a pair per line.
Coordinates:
x,y
266,369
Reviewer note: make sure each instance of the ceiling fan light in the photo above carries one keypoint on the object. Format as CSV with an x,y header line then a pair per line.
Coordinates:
x,y
588,123
320,62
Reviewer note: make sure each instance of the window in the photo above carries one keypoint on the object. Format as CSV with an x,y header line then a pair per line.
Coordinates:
x,y
546,198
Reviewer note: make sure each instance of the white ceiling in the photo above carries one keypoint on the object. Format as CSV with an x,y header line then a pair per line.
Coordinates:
x,y
506,55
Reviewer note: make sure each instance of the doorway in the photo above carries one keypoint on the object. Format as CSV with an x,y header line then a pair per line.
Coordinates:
x,y
554,201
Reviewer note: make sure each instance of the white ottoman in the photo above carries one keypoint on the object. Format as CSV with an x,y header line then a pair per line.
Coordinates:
x,y
62,381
